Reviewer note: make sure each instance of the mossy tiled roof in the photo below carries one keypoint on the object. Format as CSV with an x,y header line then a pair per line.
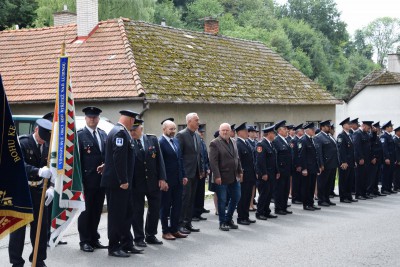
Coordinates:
x,y
183,66
376,77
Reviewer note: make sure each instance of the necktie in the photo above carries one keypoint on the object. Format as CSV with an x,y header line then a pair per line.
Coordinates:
x,y
195,142
140,146
173,144
95,140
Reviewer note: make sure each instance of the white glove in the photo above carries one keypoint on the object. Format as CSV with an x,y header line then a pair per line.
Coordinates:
x,y
44,172
49,196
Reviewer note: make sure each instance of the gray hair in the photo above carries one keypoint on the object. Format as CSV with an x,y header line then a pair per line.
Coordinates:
x,y
190,116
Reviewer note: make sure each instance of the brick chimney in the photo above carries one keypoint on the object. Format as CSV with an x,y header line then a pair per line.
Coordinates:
x,y
88,16
64,17
394,63
211,25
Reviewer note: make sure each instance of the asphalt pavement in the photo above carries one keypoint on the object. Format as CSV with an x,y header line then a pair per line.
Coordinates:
x,y
366,233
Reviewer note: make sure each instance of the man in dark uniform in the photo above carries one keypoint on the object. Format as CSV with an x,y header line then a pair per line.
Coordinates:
x,y
354,124
328,161
148,180
117,179
346,161
267,169
246,156
308,160
171,200
376,162
291,133
362,152
253,136
296,173
35,158
198,208
92,152
332,193
396,178
389,157
284,156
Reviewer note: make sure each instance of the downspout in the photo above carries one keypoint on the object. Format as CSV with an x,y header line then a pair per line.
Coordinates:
x,y
146,107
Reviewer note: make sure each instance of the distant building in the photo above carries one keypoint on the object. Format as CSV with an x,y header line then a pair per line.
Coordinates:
x,y
159,71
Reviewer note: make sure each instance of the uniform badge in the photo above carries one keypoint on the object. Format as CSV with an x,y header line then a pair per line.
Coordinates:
x,y
382,140
88,150
299,145
153,155
30,152
339,140
291,145
119,142
259,149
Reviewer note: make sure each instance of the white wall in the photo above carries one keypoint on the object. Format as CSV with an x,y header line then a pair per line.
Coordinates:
x,y
376,103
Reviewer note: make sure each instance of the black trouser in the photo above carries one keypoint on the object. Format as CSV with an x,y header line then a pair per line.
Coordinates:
x,y
345,182
171,205
296,186
188,195
89,220
246,190
361,179
387,178
353,180
324,185
265,189
308,188
373,178
198,206
281,192
17,238
119,202
332,180
396,177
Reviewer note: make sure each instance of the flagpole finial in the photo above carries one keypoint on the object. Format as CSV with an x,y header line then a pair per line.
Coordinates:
x,y
63,49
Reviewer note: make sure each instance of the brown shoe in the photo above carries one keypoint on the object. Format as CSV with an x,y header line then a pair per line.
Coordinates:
x,y
179,235
168,236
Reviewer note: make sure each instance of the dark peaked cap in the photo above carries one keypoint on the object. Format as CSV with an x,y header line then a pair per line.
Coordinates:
x,y
129,113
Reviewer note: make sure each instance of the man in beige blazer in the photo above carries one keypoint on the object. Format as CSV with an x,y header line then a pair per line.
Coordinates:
x,y
227,171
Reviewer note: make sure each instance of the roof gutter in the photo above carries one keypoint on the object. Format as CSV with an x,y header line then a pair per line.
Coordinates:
x,y
146,107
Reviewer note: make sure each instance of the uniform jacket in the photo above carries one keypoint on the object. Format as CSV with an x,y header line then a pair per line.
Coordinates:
x,y
34,159
247,161
308,157
388,147
295,151
91,156
266,159
327,151
224,160
119,158
376,148
205,162
192,161
173,161
362,146
284,156
346,149
396,140
149,166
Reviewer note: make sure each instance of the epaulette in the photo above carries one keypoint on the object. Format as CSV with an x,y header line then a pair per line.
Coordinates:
x,y
23,136
148,134
99,129
80,130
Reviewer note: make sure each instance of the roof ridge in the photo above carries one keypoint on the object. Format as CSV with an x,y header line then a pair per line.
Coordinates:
x,y
130,57
39,29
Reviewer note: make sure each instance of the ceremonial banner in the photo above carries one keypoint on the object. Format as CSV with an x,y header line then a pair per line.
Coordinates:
x,y
15,198
68,200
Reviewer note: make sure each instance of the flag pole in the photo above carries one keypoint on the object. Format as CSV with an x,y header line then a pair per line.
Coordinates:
x,y
40,218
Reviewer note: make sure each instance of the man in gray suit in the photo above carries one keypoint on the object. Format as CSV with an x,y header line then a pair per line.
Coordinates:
x,y
227,170
190,144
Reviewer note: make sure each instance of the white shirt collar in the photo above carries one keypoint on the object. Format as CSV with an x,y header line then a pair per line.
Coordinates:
x,y
241,139
34,138
91,130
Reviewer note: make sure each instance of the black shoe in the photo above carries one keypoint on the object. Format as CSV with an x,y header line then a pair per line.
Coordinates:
x,y
243,222
316,208
384,192
191,228
345,201
119,254
271,216
280,212
199,218
195,219
153,240
360,198
40,264
62,242
331,203
132,250
289,212
183,230
380,194
261,217
392,192
205,211
367,197
323,204
232,225
224,227
297,202
288,205
98,245
140,244
308,208
86,247
353,200
331,196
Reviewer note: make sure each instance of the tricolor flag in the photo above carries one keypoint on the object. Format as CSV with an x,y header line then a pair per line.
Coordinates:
x,y
15,198
68,200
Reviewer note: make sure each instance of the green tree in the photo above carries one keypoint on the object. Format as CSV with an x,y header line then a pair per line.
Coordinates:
x,y
17,12
302,62
200,9
167,10
383,34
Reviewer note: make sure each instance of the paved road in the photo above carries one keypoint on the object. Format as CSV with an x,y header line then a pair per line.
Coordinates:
x,y
361,234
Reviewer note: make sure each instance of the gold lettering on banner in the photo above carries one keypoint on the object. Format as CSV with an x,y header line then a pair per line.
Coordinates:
x,y
5,201
11,144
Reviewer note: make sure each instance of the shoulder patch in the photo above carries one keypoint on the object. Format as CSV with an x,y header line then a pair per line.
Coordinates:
x,y
80,130
23,136
119,142
299,145
259,149
339,140
382,140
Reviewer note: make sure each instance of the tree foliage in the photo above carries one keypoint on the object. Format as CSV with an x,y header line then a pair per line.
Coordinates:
x,y
17,12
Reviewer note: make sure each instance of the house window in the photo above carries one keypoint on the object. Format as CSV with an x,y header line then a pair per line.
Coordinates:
x,y
181,127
